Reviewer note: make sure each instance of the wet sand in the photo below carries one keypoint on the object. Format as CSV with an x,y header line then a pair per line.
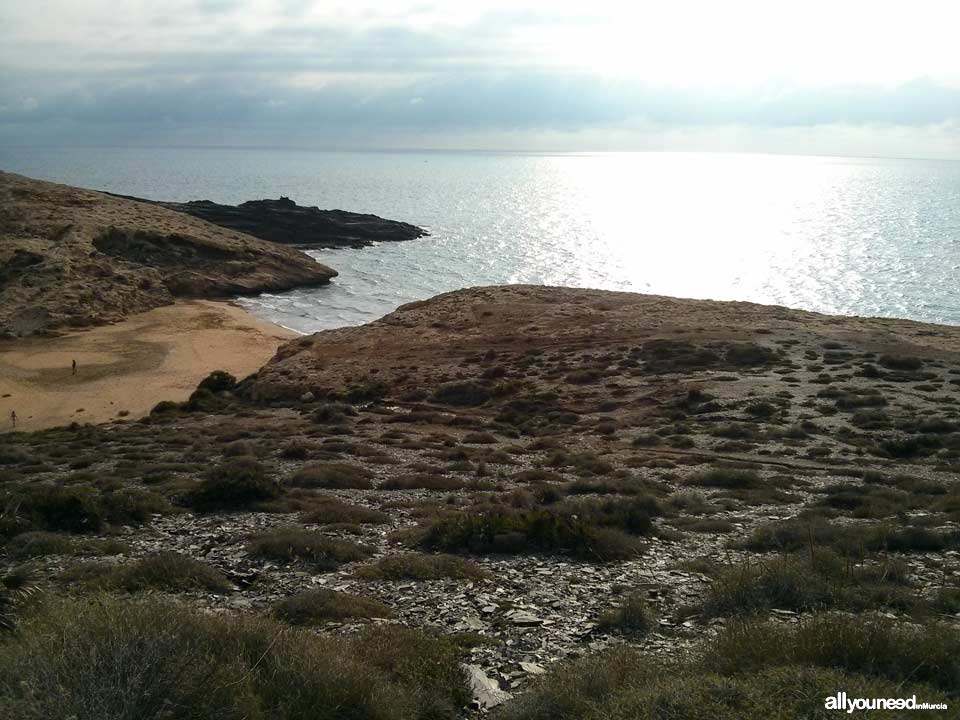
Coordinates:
x,y
123,370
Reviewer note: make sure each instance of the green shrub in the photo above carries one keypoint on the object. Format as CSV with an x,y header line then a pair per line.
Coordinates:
x,y
622,684
237,484
901,362
802,583
333,414
131,506
74,509
218,381
165,407
631,617
105,658
332,475
17,590
904,653
367,390
464,393
750,354
41,544
515,532
864,501
168,571
326,553
726,478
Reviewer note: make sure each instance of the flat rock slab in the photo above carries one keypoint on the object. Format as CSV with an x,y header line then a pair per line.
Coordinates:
x,y
486,691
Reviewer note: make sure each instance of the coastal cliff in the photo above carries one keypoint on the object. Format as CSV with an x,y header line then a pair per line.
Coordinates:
x,y
71,257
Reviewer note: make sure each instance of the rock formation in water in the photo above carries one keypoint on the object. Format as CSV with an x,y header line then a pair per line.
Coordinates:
x,y
73,257
283,221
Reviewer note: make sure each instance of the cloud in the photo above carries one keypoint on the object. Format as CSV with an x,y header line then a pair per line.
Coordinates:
x,y
383,73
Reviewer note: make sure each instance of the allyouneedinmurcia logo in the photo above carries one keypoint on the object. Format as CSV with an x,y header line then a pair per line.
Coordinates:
x,y
841,701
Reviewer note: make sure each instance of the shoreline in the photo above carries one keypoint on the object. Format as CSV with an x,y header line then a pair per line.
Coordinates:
x,y
130,366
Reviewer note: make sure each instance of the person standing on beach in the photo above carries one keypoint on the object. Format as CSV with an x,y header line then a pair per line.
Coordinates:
x,y
74,367
13,417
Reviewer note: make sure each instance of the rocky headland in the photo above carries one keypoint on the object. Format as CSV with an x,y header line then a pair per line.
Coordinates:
x,y
580,503
77,258
283,221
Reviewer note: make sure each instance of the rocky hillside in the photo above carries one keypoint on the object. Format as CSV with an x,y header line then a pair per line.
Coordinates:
x,y
591,503
73,257
448,333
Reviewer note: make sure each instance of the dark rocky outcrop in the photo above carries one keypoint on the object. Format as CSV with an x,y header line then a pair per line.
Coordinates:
x,y
74,258
283,221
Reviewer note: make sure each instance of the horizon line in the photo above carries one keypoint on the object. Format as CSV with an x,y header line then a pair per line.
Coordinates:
x,y
453,150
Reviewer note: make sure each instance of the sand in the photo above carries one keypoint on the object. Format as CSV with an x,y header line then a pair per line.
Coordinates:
x,y
123,370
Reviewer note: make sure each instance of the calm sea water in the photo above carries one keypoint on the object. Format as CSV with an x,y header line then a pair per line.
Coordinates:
x,y
837,235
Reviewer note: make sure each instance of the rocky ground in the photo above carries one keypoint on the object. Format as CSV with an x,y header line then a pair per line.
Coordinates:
x,y
517,466
75,258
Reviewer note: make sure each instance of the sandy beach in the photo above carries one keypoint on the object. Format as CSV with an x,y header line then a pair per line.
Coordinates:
x,y
124,369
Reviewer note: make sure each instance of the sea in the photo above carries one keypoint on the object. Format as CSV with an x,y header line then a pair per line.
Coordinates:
x,y
851,236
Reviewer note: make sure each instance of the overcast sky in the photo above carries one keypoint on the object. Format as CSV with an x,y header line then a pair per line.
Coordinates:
x,y
837,77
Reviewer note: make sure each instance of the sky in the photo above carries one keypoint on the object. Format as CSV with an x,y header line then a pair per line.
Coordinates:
x,y
843,77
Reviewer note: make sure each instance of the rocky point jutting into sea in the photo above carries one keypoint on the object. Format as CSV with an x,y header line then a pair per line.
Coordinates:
x,y
533,502
77,258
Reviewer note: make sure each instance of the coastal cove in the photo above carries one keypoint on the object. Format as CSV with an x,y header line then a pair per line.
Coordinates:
x,y
125,369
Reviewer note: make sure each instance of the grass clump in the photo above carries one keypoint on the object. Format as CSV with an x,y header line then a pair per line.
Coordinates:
x,y
40,543
314,607
901,362
631,617
332,475
124,660
513,532
321,551
729,478
902,653
331,511
416,566
864,501
463,393
73,509
752,672
801,583
422,481
166,571
237,484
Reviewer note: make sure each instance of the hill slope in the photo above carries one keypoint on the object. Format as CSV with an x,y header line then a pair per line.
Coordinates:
x,y
74,257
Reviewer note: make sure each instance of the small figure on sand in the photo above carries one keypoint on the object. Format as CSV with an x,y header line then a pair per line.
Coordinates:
x,y
74,367
13,418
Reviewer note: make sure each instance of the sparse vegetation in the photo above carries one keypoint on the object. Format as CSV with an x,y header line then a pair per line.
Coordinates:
x,y
321,551
513,532
315,607
330,511
417,566
168,571
631,617
236,484
332,475
119,659
751,672
803,583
